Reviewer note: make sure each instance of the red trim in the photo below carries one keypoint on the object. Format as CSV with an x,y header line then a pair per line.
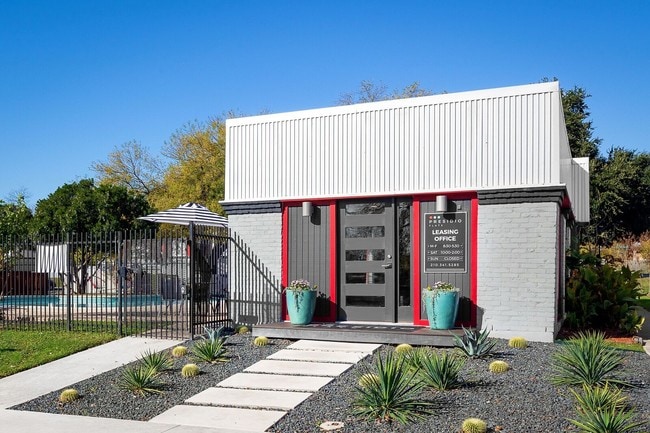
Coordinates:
x,y
417,254
416,249
415,276
285,258
333,263
333,288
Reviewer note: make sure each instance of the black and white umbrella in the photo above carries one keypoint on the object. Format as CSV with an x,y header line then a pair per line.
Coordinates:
x,y
187,213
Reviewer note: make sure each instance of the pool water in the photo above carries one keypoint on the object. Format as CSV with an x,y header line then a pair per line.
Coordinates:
x,y
80,300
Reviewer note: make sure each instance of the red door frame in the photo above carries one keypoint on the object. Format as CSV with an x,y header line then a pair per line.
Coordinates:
x,y
416,249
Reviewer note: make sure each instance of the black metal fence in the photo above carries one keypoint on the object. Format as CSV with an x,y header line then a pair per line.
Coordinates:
x,y
163,283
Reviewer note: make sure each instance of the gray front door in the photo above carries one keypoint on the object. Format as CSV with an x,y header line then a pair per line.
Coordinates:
x,y
367,260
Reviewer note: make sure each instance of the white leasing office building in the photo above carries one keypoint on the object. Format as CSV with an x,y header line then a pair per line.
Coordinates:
x,y
374,201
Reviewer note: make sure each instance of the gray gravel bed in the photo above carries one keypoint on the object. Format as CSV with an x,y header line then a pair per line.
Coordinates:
x,y
520,400
101,397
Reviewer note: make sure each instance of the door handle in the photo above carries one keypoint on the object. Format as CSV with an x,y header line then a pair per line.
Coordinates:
x,y
387,265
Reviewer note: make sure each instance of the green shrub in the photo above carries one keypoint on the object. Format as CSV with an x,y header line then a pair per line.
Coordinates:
x,y
600,296
211,351
586,360
68,395
140,380
475,343
157,361
440,371
393,396
603,410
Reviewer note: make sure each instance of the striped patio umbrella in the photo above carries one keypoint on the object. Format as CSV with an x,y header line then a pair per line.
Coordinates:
x,y
187,213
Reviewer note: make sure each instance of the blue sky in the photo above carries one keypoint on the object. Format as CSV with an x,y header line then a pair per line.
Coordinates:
x,y
78,78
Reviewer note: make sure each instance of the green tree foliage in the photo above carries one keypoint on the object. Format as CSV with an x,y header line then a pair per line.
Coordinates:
x,y
84,207
15,218
578,124
132,166
197,171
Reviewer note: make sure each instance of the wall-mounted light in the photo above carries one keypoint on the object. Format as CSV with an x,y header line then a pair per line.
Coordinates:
x,y
307,208
441,203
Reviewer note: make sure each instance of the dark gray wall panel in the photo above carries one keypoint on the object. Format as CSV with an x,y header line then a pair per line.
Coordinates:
x,y
309,250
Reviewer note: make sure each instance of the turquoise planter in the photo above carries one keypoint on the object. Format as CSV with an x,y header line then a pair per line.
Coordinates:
x,y
301,305
441,307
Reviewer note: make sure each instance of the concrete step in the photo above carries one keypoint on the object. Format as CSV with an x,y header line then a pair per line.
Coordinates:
x,y
318,355
280,382
248,420
334,346
249,398
298,368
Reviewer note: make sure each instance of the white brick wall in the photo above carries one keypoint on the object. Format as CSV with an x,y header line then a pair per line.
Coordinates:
x,y
517,270
260,238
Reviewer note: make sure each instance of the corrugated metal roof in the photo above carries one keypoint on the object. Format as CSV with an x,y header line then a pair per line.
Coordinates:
x,y
497,138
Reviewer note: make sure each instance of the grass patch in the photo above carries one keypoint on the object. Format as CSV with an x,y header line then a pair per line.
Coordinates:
x,y
626,346
22,350
644,301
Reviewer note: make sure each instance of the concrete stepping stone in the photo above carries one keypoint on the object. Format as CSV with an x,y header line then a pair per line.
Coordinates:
x,y
249,398
280,382
318,355
220,417
298,368
334,346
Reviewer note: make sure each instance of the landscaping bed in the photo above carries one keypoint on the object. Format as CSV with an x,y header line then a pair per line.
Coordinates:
x,y
519,400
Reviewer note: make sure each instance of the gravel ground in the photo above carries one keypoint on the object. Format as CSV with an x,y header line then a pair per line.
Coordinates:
x,y
520,400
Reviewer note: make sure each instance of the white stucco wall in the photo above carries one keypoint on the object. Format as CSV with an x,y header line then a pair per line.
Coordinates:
x,y
517,256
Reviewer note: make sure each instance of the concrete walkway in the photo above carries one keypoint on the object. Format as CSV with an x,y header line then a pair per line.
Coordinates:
x,y
247,402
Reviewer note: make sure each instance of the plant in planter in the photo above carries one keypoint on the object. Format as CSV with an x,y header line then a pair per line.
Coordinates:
x,y
301,301
441,303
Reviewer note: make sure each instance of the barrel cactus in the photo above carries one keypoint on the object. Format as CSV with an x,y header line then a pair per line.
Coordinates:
x,y
499,366
368,379
179,351
403,348
243,329
474,425
261,341
518,342
190,370
68,395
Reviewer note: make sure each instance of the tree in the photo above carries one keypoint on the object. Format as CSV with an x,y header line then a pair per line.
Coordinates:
x,y
578,125
371,92
15,218
197,173
83,207
131,166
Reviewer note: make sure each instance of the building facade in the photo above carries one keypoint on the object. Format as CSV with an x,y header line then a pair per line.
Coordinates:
x,y
372,202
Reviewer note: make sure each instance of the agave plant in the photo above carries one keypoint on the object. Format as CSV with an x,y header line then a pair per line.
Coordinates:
x,y
140,380
603,410
211,351
393,395
440,371
587,360
475,343
157,361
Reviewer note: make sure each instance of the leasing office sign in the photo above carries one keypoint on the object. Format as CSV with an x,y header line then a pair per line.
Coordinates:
x,y
445,242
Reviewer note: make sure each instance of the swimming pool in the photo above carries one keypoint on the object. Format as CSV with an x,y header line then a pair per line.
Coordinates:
x,y
80,301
